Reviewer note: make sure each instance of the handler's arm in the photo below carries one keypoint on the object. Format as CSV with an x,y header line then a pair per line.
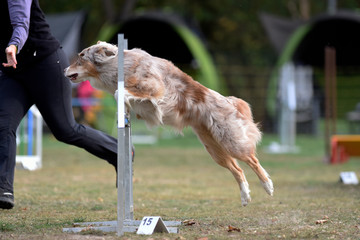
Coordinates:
x,y
19,11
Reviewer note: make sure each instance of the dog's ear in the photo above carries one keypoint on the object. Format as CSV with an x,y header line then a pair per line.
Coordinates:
x,y
104,54
110,53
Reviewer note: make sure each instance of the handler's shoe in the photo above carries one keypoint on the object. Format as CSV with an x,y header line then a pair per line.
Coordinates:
x,y
6,200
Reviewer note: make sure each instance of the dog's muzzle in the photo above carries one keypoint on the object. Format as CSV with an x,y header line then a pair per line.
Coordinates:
x,y
72,77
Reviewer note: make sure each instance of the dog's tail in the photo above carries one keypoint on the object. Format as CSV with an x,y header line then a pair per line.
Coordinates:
x,y
245,111
242,106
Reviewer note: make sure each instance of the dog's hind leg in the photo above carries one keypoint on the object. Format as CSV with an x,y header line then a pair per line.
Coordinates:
x,y
222,158
239,175
263,176
226,161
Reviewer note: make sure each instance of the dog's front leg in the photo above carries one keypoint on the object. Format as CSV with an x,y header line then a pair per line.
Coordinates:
x,y
116,95
126,100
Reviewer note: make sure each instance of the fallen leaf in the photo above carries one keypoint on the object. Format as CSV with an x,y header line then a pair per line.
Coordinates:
x,y
189,222
233,229
202,238
322,221
87,228
180,238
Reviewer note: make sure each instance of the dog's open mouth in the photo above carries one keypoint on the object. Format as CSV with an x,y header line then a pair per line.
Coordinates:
x,y
73,77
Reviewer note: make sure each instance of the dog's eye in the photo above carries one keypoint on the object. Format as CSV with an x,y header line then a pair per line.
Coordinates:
x,y
81,54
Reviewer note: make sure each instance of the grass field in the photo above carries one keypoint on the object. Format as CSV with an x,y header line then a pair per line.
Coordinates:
x,y
176,179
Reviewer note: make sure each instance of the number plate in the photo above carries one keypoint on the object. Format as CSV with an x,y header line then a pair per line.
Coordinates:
x,y
150,224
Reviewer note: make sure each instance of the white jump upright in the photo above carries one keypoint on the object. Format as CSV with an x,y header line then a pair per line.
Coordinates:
x,y
31,139
287,119
125,208
123,155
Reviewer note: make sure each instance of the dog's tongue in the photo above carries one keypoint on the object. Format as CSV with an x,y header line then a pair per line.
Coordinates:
x,y
73,76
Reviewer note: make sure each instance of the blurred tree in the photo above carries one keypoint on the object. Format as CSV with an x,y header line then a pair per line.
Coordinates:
x,y
231,27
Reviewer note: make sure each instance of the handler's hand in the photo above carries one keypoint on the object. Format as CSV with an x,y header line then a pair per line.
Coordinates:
x,y
11,56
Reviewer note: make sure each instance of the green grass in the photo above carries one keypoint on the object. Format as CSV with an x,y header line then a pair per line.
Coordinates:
x,y
176,179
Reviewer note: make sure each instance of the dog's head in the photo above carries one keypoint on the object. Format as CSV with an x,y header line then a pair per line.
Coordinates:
x,y
91,62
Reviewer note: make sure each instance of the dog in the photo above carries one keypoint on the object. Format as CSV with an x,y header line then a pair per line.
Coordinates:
x,y
161,94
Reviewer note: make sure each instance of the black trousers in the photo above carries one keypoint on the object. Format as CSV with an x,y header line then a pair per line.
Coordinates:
x,y
44,84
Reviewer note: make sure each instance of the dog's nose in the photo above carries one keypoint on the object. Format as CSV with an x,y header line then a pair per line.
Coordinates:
x,y
65,71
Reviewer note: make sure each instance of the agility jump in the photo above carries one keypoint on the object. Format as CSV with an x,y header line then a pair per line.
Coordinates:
x,y
125,208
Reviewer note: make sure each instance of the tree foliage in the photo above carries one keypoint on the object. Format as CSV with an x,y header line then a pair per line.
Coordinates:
x,y
231,27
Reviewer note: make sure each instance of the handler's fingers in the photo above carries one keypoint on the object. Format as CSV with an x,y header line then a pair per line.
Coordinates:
x,y
9,65
10,56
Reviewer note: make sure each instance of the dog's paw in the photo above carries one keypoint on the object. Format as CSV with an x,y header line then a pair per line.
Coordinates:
x,y
245,200
268,186
116,95
245,194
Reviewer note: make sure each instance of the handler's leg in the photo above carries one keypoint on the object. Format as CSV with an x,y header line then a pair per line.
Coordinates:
x,y
52,94
13,106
